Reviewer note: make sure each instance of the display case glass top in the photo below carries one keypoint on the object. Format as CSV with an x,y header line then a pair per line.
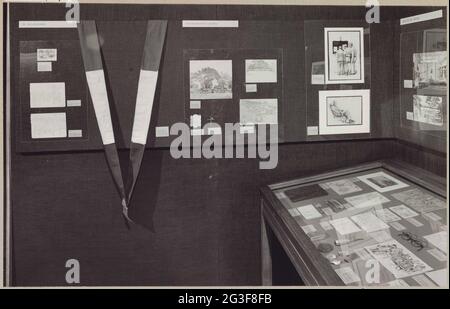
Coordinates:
x,y
375,225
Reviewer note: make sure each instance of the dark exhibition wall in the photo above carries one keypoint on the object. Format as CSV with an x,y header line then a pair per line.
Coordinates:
x,y
199,219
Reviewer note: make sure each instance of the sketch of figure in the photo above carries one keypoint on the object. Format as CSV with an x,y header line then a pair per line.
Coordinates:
x,y
342,115
354,58
344,111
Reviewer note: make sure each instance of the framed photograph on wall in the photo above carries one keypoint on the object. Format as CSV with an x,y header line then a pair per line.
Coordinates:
x,y
261,70
258,111
428,109
211,79
430,70
344,55
344,111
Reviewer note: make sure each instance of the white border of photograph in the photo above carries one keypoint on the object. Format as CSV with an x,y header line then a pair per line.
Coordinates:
x,y
359,80
398,185
363,127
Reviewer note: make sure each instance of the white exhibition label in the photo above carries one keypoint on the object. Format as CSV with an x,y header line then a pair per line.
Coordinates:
x,y
47,24
43,95
407,83
73,103
318,79
48,125
46,54
44,66
162,131
75,133
196,121
144,105
97,88
251,88
195,104
421,17
210,23
312,130
410,116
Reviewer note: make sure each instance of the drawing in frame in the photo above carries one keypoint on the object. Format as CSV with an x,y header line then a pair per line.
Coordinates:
x,y
382,182
344,111
258,111
260,70
211,79
434,40
344,55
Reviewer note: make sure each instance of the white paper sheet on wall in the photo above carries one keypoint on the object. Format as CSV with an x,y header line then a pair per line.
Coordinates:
x,y
44,66
46,54
46,95
48,125
75,133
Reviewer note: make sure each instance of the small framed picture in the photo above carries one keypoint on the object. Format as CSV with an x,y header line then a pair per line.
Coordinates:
x,y
211,79
382,182
261,70
344,55
344,111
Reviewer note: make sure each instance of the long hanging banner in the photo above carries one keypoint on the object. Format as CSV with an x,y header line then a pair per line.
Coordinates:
x,y
148,78
90,48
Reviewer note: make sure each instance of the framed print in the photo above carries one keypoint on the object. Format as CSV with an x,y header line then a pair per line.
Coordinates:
x,y
344,55
344,111
258,111
430,70
261,70
428,109
382,182
211,79
434,40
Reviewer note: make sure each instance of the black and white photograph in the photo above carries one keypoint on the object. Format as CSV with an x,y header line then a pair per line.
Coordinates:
x,y
428,109
344,55
430,70
344,111
211,79
261,70
382,182
228,152
258,111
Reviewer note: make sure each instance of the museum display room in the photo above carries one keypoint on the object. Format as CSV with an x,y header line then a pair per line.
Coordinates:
x,y
225,145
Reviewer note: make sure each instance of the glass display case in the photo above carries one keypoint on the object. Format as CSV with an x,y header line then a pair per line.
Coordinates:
x,y
379,224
